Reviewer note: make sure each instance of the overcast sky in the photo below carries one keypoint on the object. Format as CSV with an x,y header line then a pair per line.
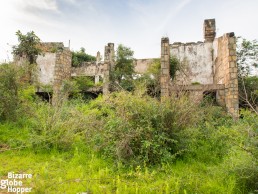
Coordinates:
x,y
138,24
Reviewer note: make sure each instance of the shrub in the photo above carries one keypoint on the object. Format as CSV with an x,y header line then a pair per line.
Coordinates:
x,y
9,87
137,129
55,127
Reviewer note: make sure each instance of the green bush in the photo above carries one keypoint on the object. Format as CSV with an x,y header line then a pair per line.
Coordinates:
x,y
55,127
84,83
137,129
9,91
230,146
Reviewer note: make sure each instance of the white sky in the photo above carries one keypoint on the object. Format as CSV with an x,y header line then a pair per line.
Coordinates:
x,y
138,24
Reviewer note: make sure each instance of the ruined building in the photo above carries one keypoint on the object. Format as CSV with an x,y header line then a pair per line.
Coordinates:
x,y
208,66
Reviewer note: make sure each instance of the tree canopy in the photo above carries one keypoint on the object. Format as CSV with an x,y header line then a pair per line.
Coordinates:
x,y
247,56
28,46
78,57
123,72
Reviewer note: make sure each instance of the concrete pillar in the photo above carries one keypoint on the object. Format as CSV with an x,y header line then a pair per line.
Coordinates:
x,y
209,30
109,62
231,76
96,79
106,54
62,73
98,57
111,54
165,67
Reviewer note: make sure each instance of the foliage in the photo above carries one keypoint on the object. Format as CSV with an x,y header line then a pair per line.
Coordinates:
x,y
15,94
55,127
174,66
247,61
78,57
194,149
28,46
152,76
247,56
248,91
136,129
84,82
9,87
219,156
123,72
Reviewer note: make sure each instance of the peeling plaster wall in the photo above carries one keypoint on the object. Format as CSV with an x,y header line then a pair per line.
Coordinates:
x,y
142,65
46,65
196,62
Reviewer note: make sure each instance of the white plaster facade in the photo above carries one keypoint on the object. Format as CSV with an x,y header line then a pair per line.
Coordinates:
x,y
196,62
46,65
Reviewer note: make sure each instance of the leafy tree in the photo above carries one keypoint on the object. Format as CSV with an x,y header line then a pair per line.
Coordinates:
x,y
123,72
78,57
247,56
28,46
247,61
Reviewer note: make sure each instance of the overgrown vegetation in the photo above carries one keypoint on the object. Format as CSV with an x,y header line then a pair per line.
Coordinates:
x,y
9,86
152,77
129,142
123,73
247,61
84,82
78,57
136,129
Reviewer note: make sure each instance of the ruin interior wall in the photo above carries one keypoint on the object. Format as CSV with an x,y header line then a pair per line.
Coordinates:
x,y
142,65
46,65
195,62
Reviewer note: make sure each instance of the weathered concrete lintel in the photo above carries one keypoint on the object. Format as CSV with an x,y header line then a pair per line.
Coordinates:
x,y
201,87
